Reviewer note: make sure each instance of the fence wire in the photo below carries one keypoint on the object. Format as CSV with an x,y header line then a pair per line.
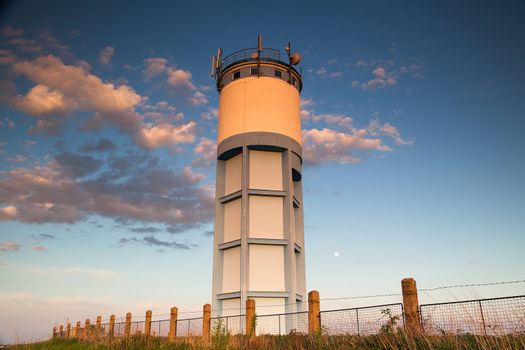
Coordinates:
x,y
363,320
495,316
234,324
282,323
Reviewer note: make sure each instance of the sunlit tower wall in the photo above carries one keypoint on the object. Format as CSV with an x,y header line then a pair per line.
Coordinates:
x,y
259,231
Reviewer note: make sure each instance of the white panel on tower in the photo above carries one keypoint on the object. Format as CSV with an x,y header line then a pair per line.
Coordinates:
x,y
266,217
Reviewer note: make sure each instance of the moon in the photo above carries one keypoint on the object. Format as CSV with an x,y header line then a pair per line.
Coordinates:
x,y
336,254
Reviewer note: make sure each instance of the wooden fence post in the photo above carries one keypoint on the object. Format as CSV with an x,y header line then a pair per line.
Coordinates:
x,y
250,317
78,330
173,324
147,324
127,327
410,305
206,323
60,331
87,332
111,330
99,325
54,332
68,330
314,318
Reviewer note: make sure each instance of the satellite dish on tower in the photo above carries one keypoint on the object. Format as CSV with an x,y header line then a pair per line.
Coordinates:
x,y
295,58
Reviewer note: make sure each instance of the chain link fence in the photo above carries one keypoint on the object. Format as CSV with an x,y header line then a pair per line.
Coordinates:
x,y
495,316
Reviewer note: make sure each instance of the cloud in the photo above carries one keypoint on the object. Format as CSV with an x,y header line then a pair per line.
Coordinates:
x,y
155,66
210,114
339,120
198,99
9,246
148,229
155,136
77,165
206,152
8,213
105,55
25,45
324,73
376,128
102,145
150,240
7,57
61,89
381,79
132,187
41,101
39,248
180,78
11,31
44,236
10,124
322,145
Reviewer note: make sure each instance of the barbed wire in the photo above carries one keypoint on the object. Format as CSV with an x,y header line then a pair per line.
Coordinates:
x,y
467,285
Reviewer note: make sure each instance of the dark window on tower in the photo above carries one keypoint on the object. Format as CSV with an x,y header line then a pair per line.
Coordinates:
x,y
278,73
293,81
254,71
236,75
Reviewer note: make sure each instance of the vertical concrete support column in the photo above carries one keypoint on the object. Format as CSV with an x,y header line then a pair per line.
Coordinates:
x,y
173,324
250,317
54,332
68,330
111,330
314,316
127,327
87,332
410,305
147,324
78,330
206,323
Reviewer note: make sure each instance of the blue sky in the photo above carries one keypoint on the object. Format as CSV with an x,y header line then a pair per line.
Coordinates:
x,y
412,118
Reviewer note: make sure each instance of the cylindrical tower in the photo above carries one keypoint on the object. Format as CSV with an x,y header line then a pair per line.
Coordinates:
x,y
259,231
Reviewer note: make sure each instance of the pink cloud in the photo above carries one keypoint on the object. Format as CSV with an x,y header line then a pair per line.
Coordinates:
x,y
105,55
155,136
206,152
331,145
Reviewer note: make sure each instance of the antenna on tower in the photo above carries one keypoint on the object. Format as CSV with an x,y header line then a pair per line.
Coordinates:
x,y
293,59
213,66
259,50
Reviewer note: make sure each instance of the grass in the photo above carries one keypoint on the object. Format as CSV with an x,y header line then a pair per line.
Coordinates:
x,y
293,341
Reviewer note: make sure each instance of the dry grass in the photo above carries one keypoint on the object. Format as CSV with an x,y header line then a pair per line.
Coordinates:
x,y
293,341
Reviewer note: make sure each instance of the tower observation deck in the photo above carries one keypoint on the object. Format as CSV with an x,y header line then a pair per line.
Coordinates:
x,y
259,231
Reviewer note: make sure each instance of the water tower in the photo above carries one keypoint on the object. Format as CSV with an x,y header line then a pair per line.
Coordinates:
x,y
259,231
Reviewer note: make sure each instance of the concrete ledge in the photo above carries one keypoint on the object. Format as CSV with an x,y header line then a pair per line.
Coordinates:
x,y
258,294
233,144
231,244
231,295
273,193
231,196
267,241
